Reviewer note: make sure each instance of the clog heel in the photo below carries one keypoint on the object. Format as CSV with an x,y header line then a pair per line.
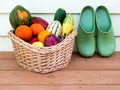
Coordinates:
x,y
105,34
85,39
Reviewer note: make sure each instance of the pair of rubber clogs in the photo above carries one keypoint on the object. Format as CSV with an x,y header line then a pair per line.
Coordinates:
x,y
95,31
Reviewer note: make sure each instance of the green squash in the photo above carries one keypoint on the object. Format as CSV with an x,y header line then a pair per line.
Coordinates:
x,y
19,16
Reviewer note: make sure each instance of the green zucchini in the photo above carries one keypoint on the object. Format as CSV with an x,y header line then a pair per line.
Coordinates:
x,y
60,15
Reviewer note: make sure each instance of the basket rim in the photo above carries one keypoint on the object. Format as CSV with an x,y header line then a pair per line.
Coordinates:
x,y
45,49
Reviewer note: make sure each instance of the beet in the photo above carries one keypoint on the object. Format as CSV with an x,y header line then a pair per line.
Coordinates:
x,y
51,40
40,21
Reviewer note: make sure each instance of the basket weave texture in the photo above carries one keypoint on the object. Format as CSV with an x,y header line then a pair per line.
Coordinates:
x,y
43,59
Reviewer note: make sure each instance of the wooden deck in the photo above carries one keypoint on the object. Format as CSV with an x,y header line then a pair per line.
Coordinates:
x,y
94,73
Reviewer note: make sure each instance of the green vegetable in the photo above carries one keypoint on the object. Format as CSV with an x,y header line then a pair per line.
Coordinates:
x,y
60,15
55,28
19,16
68,25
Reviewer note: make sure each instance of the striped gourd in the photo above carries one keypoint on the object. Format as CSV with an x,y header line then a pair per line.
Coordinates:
x,y
55,28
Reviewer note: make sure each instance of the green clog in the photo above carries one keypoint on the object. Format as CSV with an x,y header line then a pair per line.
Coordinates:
x,y
85,39
105,34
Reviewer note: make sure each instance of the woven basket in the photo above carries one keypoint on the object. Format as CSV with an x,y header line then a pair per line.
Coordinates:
x,y
43,59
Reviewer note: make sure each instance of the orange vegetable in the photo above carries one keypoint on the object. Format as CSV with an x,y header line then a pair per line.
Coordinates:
x,y
36,28
24,32
42,35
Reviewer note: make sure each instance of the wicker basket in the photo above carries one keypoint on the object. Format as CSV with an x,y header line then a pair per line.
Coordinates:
x,y
43,59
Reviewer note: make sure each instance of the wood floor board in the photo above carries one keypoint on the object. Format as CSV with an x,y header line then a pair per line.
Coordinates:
x,y
95,73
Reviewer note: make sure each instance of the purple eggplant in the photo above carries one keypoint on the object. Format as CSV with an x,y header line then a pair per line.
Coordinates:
x,y
39,20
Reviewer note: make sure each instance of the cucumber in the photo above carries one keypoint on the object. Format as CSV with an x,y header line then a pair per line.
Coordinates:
x,y
60,15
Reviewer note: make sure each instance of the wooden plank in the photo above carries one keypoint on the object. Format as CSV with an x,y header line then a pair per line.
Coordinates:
x,y
9,65
59,87
61,77
7,55
73,6
7,62
6,44
95,63
95,73
6,27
